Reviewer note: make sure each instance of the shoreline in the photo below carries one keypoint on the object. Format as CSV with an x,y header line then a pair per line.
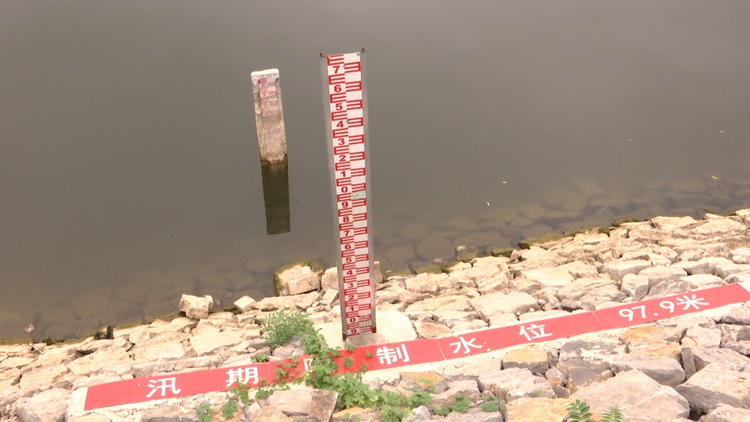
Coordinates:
x,y
462,254
585,272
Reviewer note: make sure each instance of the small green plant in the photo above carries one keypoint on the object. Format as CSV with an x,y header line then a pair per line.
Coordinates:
x,y
490,403
462,405
205,413
260,358
281,327
579,411
490,406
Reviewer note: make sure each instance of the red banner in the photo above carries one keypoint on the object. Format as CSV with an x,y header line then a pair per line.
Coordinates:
x,y
414,352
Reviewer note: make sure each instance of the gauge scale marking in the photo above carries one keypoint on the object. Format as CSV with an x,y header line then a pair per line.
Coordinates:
x,y
346,126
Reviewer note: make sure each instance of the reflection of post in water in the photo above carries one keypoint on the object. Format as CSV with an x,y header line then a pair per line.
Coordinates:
x,y
276,195
269,120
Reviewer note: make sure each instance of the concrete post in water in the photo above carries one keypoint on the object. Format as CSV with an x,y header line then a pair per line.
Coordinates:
x,y
269,121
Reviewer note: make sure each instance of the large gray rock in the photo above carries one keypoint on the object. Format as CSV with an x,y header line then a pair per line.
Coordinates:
x,y
196,307
684,285
511,303
638,396
173,413
720,226
532,357
664,370
741,347
49,405
635,286
109,358
660,274
726,270
670,223
322,404
467,387
584,362
726,413
592,347
474,415
509,384
696,358
244,303
738,315
714,385
537,409
440,305
209,340
587,293
702,266
698,336
431,330
618,269
485,277
149,368
536,257
399,329
430,283
296,280
294,402
582,372
549,277
166,346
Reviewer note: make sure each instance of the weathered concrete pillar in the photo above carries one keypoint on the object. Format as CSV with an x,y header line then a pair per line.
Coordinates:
x,y
269,121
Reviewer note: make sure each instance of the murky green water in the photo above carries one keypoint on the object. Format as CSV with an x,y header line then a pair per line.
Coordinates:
x,y
129,170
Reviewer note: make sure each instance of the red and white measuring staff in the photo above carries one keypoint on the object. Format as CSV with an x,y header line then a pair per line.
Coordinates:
x,y
346,127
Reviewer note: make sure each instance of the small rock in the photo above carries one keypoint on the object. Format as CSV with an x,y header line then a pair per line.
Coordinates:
x,y
353,414
502,382
296,280
329,296
171,413
322,404
330,279
533,357
549,277
292,402
270,413
657,275
208,341
664,370
429,284
420,413
702,337
422,381
544,409
618,270
700,357
635,286
652,340
196,307
738,315
431,330
49,405
512,303
726,413
714,385
584,372
638,397
244,303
